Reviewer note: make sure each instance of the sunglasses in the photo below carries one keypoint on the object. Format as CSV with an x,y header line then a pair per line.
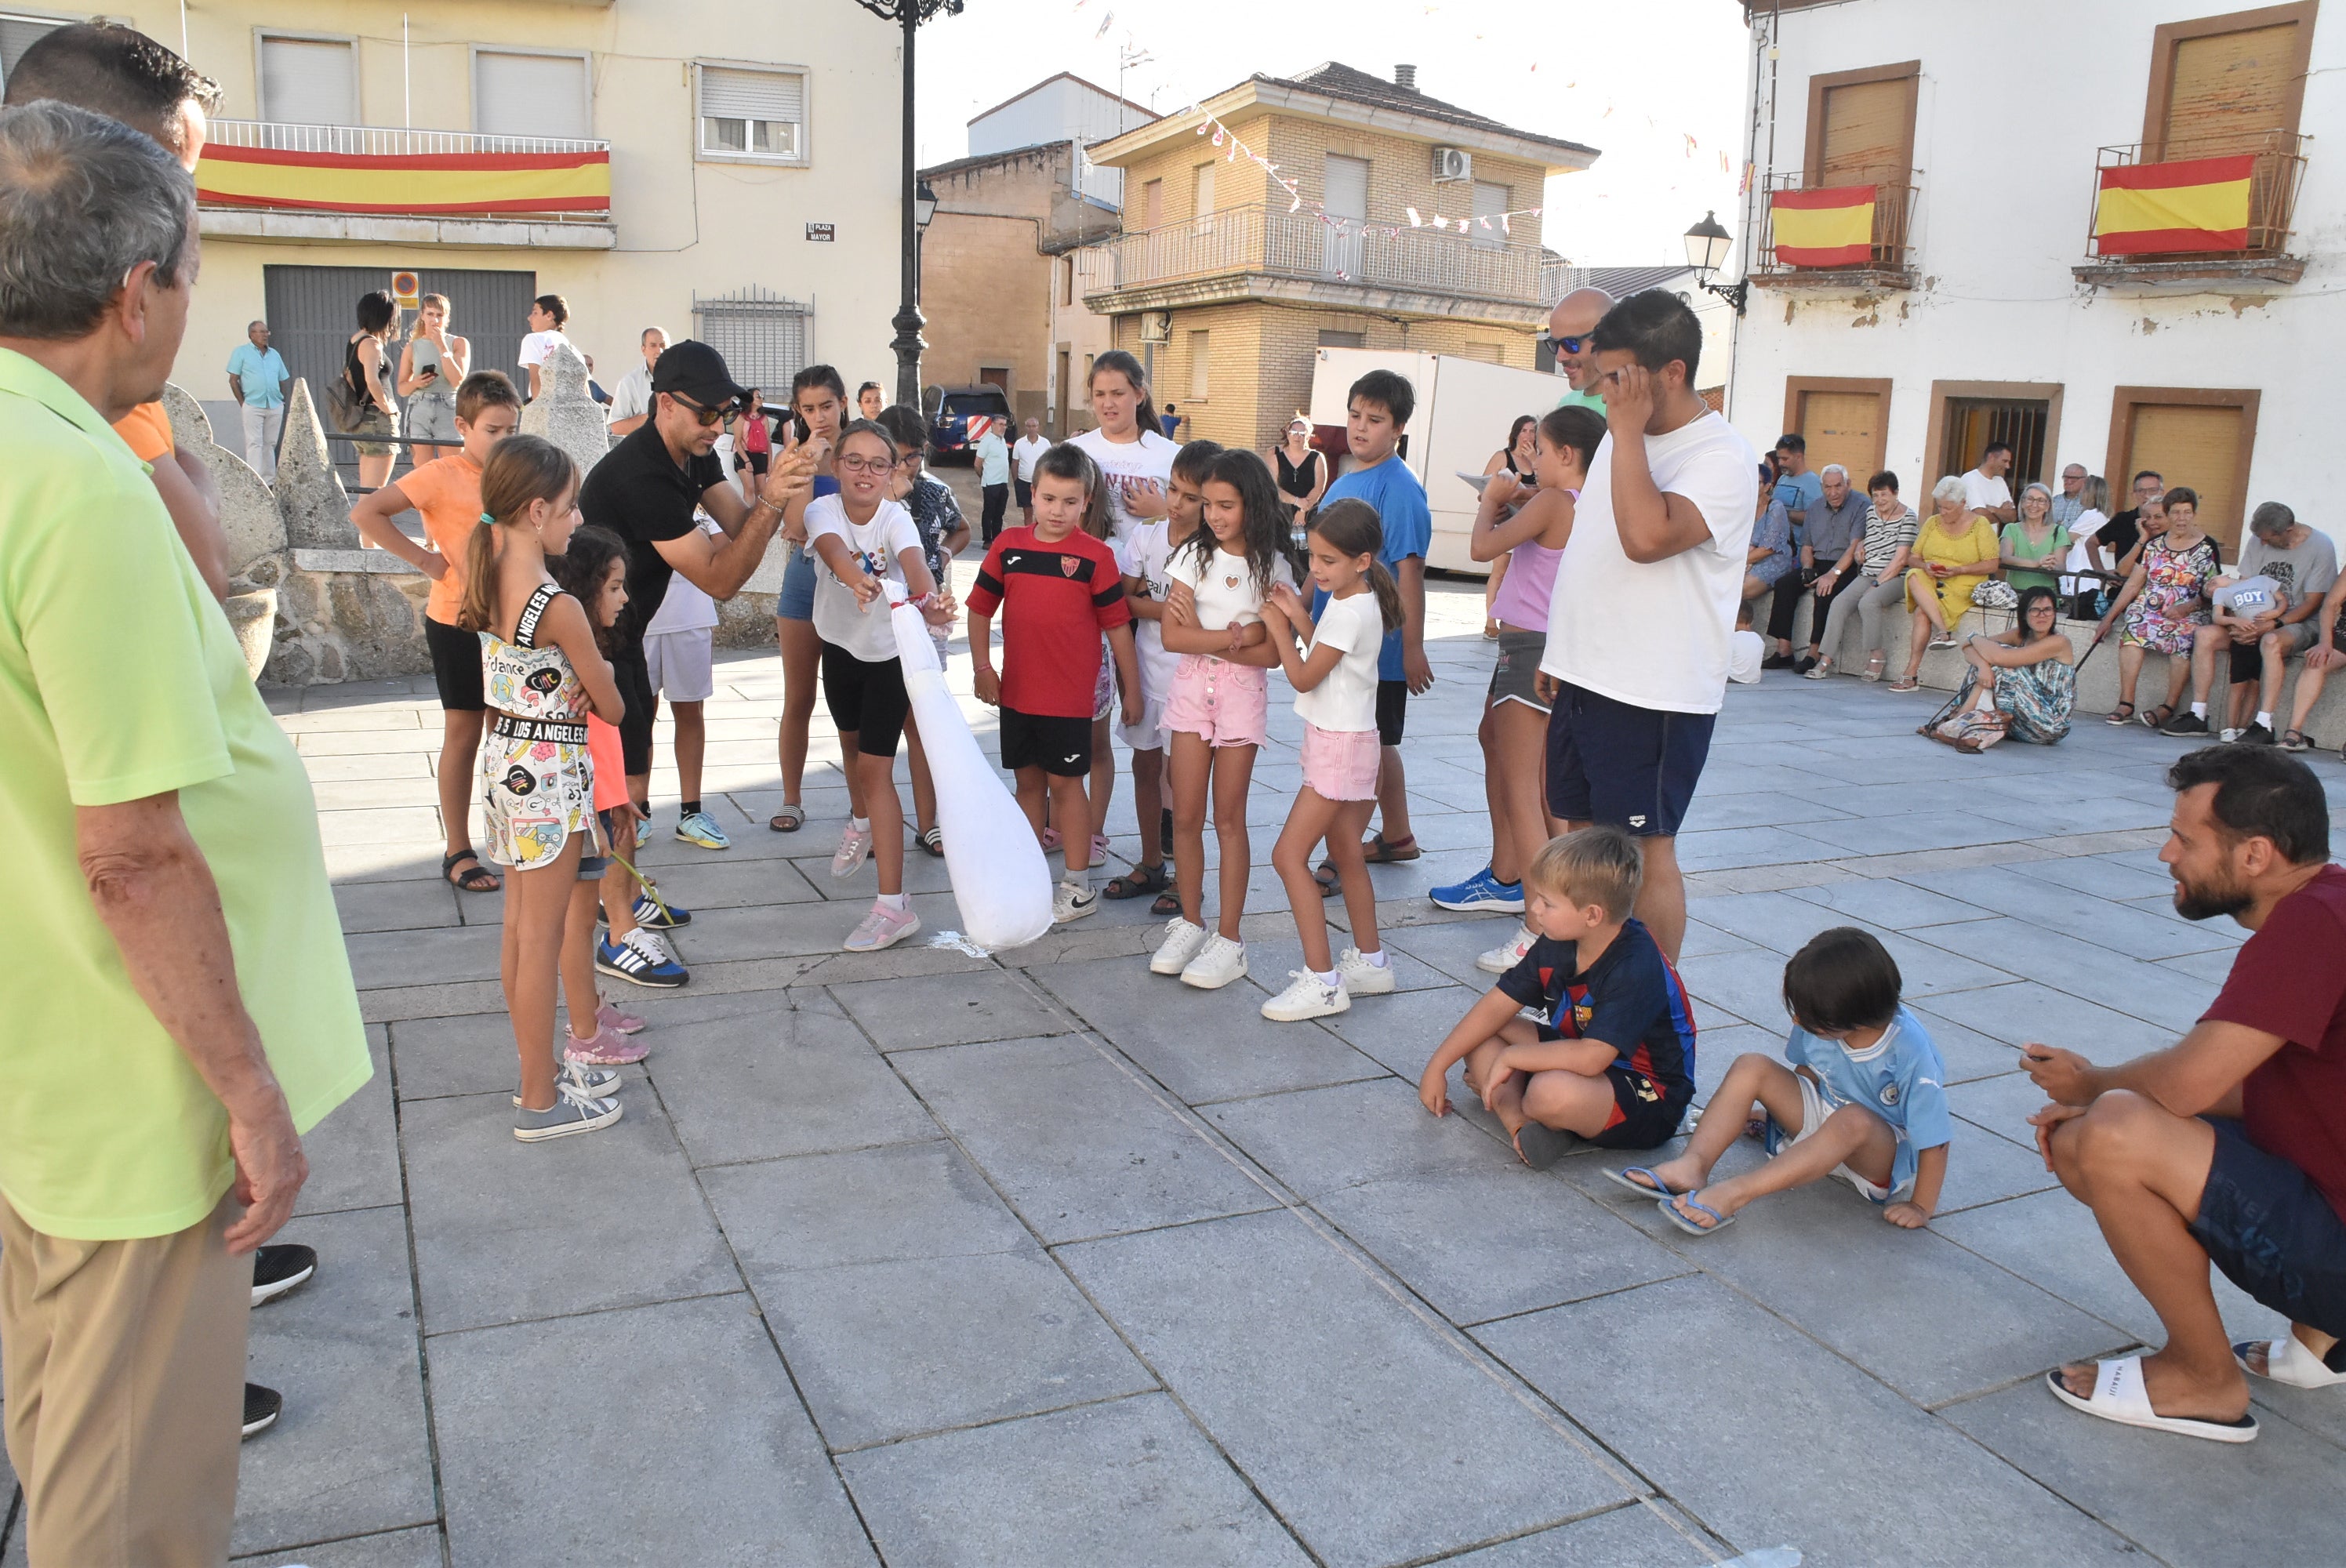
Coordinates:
x,y
707,415
1573,345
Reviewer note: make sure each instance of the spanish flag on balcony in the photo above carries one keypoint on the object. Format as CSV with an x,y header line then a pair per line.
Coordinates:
x,y
1829,228
2149,208
422,183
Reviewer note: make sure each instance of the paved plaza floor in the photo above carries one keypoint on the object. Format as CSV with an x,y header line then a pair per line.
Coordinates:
x,y
931,1257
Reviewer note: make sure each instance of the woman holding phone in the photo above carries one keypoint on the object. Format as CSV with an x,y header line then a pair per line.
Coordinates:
x,y
431,367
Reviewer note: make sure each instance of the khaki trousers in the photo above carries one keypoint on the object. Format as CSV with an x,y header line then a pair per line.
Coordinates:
x,y
124,1363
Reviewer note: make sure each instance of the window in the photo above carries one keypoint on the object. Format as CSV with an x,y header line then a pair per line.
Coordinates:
x,y
753,114
1202,189
1345,190
1862,127
1332,338
1967,415
521,95
1199,379
2194,436
18,34
1490,201
1067,280
1844,420
763,336
308,81
1152,204
2226,84
1486,352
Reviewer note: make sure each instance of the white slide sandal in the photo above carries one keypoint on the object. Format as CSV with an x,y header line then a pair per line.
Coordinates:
x,y
2119,1397
2288,1362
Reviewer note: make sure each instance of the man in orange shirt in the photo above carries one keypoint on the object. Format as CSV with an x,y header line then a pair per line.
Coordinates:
x,y
447,492
122,73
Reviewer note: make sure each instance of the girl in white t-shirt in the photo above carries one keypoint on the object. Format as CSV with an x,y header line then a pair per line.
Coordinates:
x,y
868,556
1129,449
1220,702
549,315
1335,680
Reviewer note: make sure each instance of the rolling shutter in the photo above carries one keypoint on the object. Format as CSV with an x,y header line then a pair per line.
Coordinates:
x,y
1844,427
2198,447
308,82
530,96
1490,201
2228,92
1865,132
752,112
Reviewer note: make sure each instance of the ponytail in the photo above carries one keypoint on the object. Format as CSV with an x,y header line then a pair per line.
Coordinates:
x,y
522,470
1122,362
1388,593
478,609
1353,528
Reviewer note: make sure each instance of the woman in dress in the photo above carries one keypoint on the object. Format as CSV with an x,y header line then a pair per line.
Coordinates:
x,y
2164,601
2027,673
1303,477
431,367
1954,552
1514,458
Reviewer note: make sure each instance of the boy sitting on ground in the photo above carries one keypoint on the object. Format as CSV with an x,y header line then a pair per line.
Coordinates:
x,y
1864,1099
1611,1059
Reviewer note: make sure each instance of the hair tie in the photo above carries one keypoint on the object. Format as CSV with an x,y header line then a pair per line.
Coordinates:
x,y
491,521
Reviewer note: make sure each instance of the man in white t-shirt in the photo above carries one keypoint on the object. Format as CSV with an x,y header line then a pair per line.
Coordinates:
x,y
548,315
631,400
1984,487
1031,447
1645,597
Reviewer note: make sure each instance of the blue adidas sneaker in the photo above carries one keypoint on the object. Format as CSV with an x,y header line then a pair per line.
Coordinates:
x,y
1483,890
668,916
641,959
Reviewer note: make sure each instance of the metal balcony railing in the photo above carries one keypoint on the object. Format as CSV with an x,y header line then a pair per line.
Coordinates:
x,y
1893,247
2276,172
471,188
1257,240
381,141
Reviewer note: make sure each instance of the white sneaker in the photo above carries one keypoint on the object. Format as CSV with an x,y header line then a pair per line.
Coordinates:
x,y
1306,996
1181,943
1219,963
1073,902
854,848
1507,954
1362,978
2227,736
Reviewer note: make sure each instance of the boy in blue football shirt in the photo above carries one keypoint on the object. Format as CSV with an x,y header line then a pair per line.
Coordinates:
x,y
1611,1059
1863,1100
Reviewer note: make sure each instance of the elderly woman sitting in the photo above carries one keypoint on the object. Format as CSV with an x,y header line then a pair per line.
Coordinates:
x,y
1772,544
1955,551
2022,682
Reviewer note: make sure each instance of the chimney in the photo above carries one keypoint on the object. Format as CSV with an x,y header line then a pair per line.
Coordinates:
x,y
1405,78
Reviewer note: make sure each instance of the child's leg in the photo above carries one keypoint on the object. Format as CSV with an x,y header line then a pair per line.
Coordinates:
x,y
537,902
1392,796
1501,1095
1494,799
1034,798
850,766
459,749
578,959
620,887
1852,1135
1519,761
1148,803
1311,819
1073,811
1103,779
1233,770
691,746
878,774
801,660
1573,1102
924,788
1751,1079
1191,764
1346,851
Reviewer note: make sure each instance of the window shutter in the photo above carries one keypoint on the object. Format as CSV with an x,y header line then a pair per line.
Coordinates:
x,y
1865,132
308,82
2228,92
530,95
761,112
2197,446
1202,190
1199,365
1490,201
1347,181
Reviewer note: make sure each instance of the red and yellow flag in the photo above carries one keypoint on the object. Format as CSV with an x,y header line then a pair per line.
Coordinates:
x,y
419,183
1829,228
2149,208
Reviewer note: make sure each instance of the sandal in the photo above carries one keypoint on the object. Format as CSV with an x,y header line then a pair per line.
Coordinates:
x,y
1050,840
788,819
1167,904
1326,880
1876,666
2295,741
1905,683
1379,850
479,879
2158,715
1821,670
932,840
2122,714
1138,880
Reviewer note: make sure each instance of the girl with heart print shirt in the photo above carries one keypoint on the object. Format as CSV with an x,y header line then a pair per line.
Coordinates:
x,y
1220,698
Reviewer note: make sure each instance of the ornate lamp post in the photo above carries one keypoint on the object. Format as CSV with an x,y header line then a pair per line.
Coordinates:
x,y
908,342
1707,245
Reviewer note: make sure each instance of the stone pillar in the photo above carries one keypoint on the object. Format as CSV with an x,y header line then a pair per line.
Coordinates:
x,y
565,413
249,523
311,499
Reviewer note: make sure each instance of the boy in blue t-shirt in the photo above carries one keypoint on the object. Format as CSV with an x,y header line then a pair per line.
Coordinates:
x,y
1864,1099
1611,1059
1376,414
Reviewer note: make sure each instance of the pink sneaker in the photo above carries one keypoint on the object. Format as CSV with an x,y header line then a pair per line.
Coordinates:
x,y
884,927
605,1050
609,1017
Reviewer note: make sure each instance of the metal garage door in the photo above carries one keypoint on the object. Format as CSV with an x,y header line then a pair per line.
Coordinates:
x,y
313,311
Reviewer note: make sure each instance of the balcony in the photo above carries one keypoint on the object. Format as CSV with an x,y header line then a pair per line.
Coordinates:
x,y
362,184
2213,212
1850,236
1258,253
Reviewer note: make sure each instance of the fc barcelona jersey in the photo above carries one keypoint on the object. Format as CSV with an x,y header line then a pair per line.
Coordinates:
x,y
1630,999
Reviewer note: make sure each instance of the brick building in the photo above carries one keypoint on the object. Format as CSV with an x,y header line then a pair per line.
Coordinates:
x,y
1226,292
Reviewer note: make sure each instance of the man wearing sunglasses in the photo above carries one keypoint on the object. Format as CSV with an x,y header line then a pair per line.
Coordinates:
x,y
647,491
1570,328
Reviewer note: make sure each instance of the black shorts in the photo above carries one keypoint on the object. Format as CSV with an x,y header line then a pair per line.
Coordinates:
x,y
755,462
455,667
635,683
1026,489
1646,1115
2266,1225
1633,768
1057,745
867,699
1392,710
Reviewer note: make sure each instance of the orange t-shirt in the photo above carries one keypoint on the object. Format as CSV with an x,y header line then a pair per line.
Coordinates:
x,y
447,492
147,428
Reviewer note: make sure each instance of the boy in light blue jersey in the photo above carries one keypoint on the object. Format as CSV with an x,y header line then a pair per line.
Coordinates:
x,y
1864,1099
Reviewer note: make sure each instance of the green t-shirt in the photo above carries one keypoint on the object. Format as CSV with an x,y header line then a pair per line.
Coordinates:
x,y
2054,552
120,679
1572,399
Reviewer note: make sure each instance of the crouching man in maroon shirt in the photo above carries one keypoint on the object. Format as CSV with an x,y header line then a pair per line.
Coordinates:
x,y
2230,1146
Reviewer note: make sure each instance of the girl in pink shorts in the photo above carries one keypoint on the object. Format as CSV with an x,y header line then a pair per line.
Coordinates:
x,y
1335,678
1219,580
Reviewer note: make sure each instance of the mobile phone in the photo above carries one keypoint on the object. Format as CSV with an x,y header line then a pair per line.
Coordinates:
x,y
428,373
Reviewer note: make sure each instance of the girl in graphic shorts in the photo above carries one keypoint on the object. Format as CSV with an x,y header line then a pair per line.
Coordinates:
x,y
542,674
1335,678
1220,700
869,558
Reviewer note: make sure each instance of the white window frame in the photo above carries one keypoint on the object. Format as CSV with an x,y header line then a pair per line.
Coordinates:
x,y
585,57
260,35
804,157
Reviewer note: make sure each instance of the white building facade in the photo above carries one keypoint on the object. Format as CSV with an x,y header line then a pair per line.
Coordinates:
x,y
1063,108
2009,288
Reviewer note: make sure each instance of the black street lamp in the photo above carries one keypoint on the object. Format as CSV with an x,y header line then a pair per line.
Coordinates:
x,y
908,342
1707,245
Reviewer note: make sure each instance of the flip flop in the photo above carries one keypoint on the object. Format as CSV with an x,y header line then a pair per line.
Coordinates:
x,y
479,879
1621,1179
1542,1146
2119,1397
2289,1362
788,819
1669,1208
1380,850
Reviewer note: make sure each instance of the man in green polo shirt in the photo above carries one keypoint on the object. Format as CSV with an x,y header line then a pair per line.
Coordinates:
x,y
186,1010
1569,327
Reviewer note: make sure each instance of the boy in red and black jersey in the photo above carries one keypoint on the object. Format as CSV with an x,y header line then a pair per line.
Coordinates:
x,y
1058,589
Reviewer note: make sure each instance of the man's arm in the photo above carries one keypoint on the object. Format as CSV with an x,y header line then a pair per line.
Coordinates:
x,y
718,567
148,881
236,388
1653,526
2198,1073
193,501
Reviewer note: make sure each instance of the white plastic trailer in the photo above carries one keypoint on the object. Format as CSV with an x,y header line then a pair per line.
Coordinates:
x,y
1464,408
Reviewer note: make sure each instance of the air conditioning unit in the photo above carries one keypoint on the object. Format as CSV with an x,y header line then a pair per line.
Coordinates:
x,y
1155,326
1452,164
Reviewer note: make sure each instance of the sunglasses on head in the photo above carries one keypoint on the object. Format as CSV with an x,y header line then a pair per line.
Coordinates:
x,y
707,415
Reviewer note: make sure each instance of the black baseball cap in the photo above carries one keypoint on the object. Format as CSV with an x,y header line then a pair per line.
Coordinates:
x,y
697,371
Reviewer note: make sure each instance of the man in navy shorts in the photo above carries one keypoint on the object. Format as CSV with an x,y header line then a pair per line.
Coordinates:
x,y
1635,663
2230,1146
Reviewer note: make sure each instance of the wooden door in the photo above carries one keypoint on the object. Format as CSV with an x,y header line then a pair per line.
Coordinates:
x,y
2200,447
1846,428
